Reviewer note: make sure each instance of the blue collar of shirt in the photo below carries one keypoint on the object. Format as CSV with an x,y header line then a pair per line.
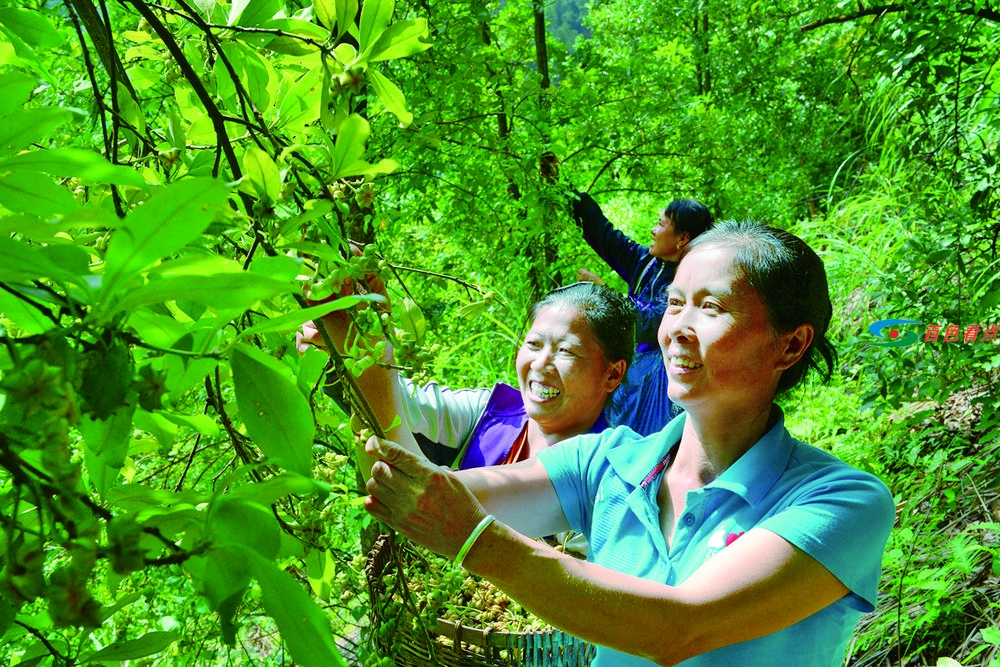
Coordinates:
x,y
750,477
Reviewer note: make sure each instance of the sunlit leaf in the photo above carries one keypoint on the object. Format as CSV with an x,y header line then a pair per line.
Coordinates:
x,y
74,162
375,16
263,174
15,89
276,414
31,192
172,218
22,128
350,144
107,442
202,424
252,13
150,643
275,488
31,26
411,319
346,13
392,97
326,12
401,39
29,318
321,569
237,291
19,261
291,321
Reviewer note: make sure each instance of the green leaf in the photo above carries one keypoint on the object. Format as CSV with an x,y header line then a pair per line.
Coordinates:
x,y
392,97
276,414
29,319
346,13
22,262
273,489
326,12
304,627
253,13
107,442
15,89
278,267
74,162
32,26
350,145
321,569
224,581
362,168
7,615
400,40
30,192
255,74
412,319
107,379
172,218
234,520
298,27
22,128
150,643
345,54
122,602
202,424
295,319
223,291
471,311
375,17
263,174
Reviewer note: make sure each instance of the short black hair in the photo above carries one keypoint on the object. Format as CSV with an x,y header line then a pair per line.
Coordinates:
x,y
689,215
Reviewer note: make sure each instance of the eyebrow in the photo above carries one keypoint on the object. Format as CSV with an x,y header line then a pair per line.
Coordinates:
x,y
720,293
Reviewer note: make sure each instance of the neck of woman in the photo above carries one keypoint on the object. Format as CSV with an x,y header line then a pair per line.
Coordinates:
x,y
710,445
540,437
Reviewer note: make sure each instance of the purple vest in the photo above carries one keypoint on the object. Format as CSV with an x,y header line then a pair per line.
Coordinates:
x,y
498,428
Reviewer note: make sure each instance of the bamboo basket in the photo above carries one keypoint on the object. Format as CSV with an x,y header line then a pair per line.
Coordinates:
x,y
451,644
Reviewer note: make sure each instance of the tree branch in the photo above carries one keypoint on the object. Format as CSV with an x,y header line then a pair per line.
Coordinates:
x,y
881,10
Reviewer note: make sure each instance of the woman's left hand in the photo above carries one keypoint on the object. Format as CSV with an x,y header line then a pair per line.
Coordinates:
x,y
423,501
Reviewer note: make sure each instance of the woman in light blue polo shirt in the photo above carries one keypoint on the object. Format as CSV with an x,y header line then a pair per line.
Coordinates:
x,y
721,540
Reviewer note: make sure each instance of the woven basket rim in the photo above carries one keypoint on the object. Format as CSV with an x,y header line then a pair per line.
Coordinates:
x,y
375,565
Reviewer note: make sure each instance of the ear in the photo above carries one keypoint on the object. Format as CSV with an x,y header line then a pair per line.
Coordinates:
x,y
683,239
795,345
615,374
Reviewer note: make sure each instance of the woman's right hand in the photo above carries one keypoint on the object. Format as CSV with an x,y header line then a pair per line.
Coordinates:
x,y
338,323
425,502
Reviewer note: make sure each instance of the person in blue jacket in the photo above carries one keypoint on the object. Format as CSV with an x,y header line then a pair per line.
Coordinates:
x,y
642,402
720,540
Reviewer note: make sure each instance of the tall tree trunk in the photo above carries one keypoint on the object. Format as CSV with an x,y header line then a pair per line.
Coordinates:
x,y
703,65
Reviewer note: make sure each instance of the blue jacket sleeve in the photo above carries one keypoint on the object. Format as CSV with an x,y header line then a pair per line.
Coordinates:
x,y
619,251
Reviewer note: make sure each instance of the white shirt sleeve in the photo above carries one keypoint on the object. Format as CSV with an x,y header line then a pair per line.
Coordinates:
x,y
441,414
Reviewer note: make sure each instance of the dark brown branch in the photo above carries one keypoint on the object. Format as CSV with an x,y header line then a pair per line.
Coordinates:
x,y
218,122
881,10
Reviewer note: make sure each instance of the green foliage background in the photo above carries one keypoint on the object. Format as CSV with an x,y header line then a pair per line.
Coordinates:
x,y
176,178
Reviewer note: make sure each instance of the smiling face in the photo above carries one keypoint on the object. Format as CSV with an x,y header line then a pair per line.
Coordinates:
x,y
666,243
719,347
562,371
